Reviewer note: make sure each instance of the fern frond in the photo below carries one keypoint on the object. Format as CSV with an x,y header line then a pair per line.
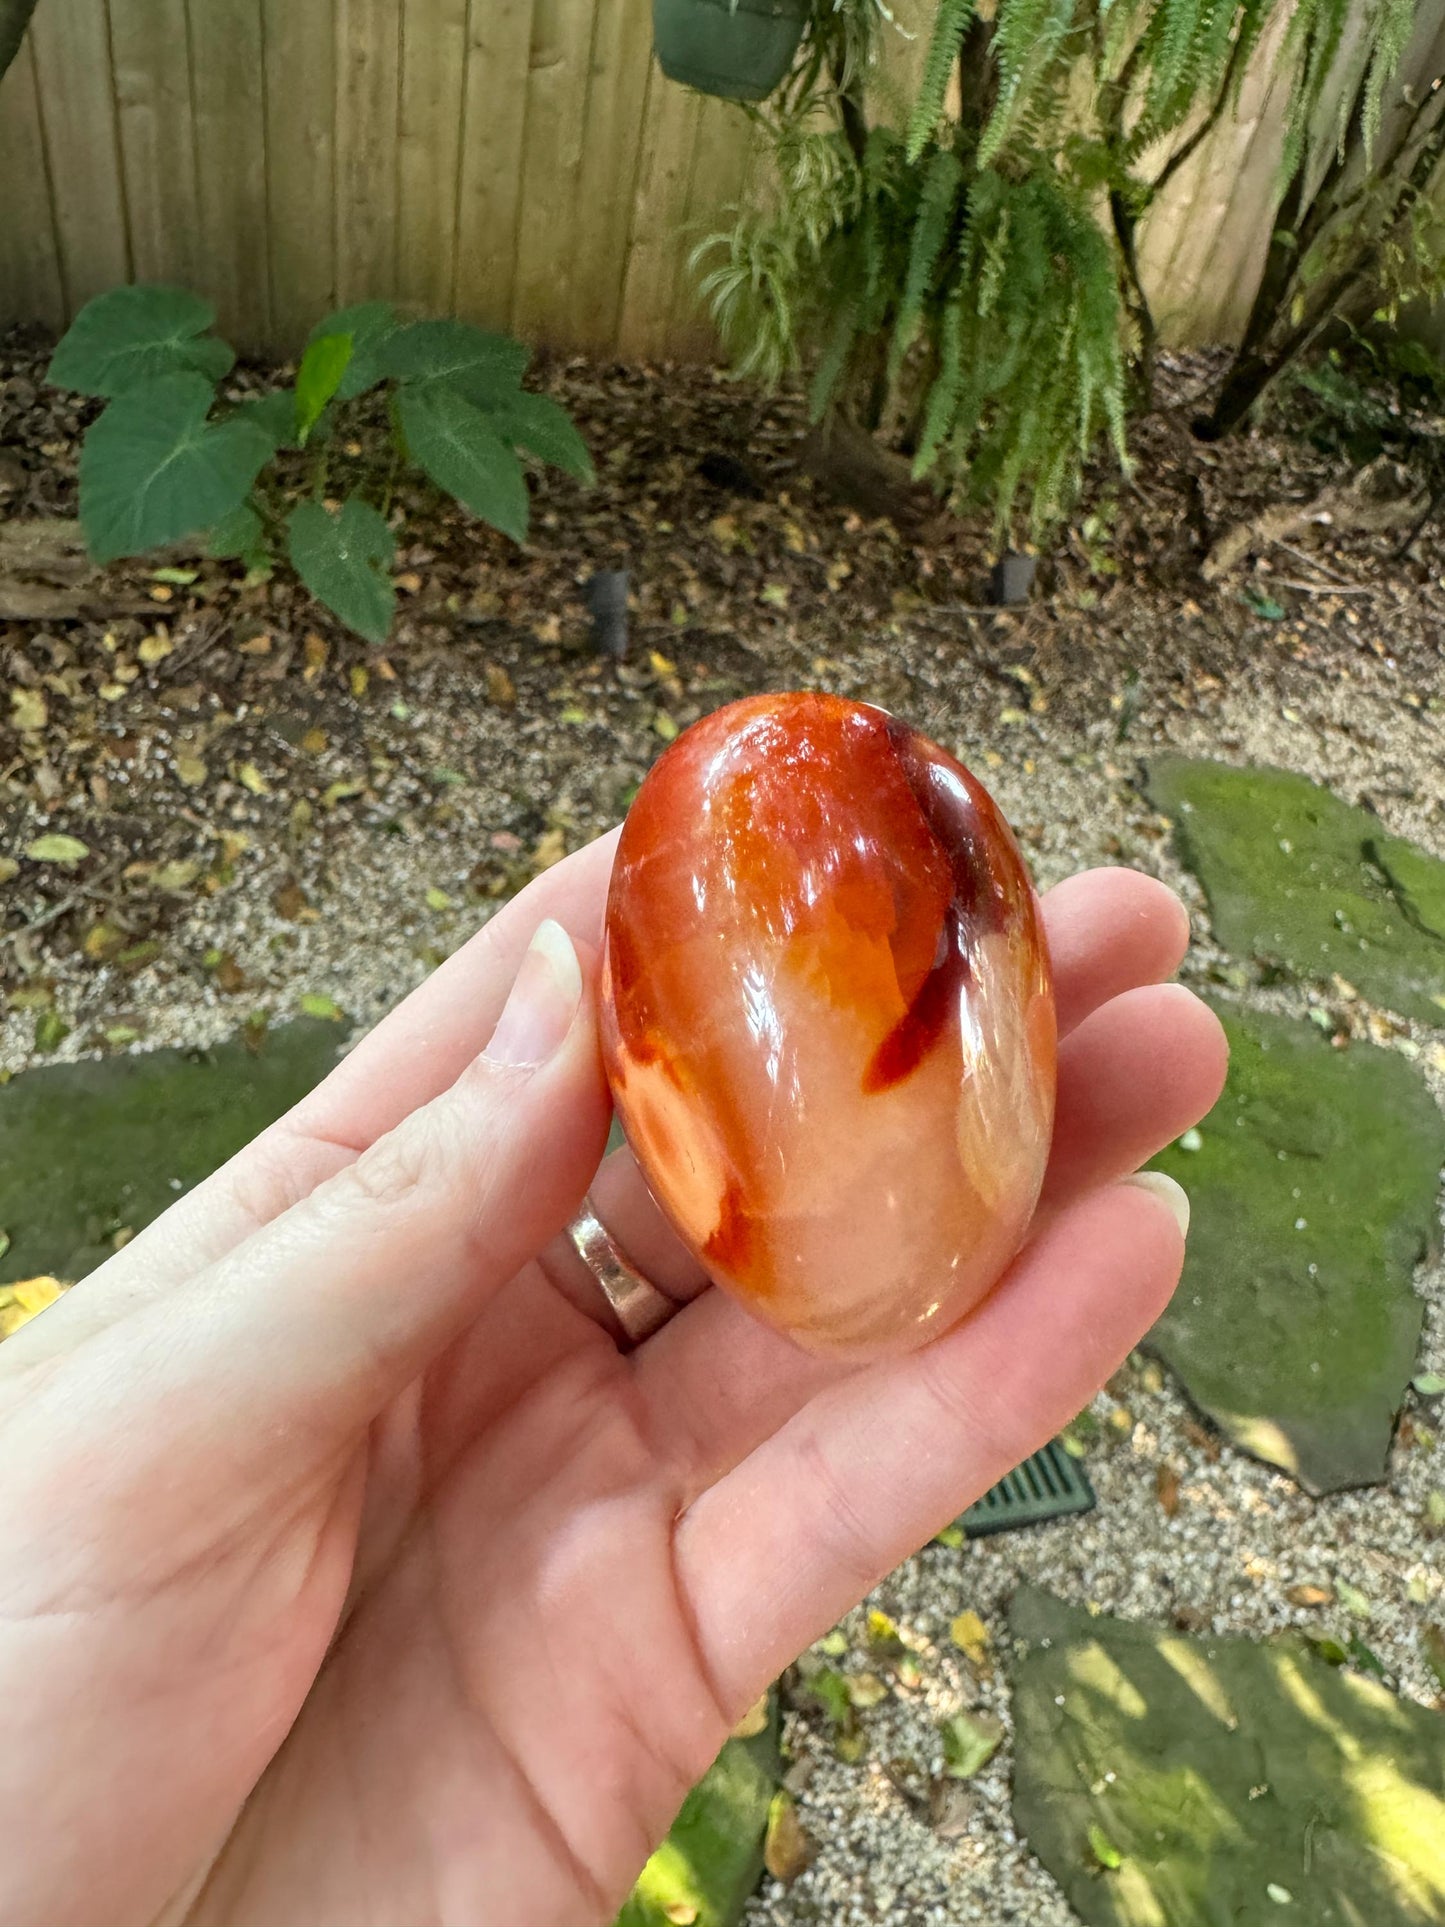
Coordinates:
x,y
937,203
948,31
1029,39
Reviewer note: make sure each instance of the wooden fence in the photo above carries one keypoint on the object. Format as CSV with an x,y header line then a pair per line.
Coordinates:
x,y
522,162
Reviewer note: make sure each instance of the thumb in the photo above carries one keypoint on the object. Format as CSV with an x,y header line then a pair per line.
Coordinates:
x,y
330,1309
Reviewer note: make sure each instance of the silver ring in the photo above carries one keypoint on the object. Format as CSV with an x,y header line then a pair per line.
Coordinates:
x,y
640,1307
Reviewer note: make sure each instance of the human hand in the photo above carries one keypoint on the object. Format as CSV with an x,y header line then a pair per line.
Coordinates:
x,y
351,1573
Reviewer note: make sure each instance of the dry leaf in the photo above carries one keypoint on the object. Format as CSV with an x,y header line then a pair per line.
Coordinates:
x,y
314,741
252,779
179,874
28,710
230,978
360,679
787,1849
409,583
20,1302
970,1636
191,771
753,1722
155,648
289,901
551,848
1309,1595
501,690
1166,1486
315,651
9,868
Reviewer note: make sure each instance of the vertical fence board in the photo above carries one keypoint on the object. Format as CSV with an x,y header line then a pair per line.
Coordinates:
x,y
659,210
71,44
31,287
300,164
520,161
720,163
434,44
489,196
559,63
229,92
611,143
151,51
368,34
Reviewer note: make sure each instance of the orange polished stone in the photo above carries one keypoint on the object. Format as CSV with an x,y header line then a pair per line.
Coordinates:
x,y
828,1019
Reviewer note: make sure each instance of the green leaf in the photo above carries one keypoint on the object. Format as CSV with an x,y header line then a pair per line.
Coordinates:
x,y
1429,1384
1352,1599
484,367
315,1004
544,428
240,535
132,335
153,468
371,324
57,848
969,1742
323,368
345,561
51,1030
274,415
462,453
1103,1849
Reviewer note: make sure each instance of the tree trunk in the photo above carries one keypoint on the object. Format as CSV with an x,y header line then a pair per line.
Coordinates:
x,y
14,19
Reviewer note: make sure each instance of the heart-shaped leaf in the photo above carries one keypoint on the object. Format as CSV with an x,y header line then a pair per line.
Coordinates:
x,y
240,536
153,467
484,367
132,335
461,451
345,561
543,427
370,324
274,414
322,371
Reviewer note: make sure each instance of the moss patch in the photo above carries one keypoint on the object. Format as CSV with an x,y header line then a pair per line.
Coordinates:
x,y
1297,878
1314,1195
90,1149
1161,1778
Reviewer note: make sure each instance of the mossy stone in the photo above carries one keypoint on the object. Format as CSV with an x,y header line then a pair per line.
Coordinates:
x,y
1197,1781
1313,1189
709,1864
1297,878
90,1149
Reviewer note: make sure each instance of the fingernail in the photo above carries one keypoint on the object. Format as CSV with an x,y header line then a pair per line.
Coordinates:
x,y
543,1000
1163,1187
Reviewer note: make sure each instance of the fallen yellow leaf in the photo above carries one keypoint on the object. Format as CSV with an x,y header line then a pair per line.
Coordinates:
x,y
970,1636
28,710
21,1302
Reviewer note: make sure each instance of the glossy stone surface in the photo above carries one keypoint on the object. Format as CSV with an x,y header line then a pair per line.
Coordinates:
x,y
828,1018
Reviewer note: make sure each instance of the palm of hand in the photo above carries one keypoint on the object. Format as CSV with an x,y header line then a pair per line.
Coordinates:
x,y
444,1622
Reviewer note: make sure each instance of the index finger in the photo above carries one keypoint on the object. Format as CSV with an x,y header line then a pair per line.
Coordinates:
x,y
412,1056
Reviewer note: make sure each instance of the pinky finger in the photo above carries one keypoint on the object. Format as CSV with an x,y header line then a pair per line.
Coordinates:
x,y
776,1552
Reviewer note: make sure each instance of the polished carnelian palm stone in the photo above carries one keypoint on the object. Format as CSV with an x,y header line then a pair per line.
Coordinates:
x,y
828,1019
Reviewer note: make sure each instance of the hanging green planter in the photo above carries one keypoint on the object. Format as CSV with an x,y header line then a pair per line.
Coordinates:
x,y
735,49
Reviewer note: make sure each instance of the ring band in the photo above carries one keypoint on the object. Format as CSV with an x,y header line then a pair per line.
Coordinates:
x,y
640,1307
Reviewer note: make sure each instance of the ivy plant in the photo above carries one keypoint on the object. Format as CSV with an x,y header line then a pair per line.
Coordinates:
x,y
173,456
